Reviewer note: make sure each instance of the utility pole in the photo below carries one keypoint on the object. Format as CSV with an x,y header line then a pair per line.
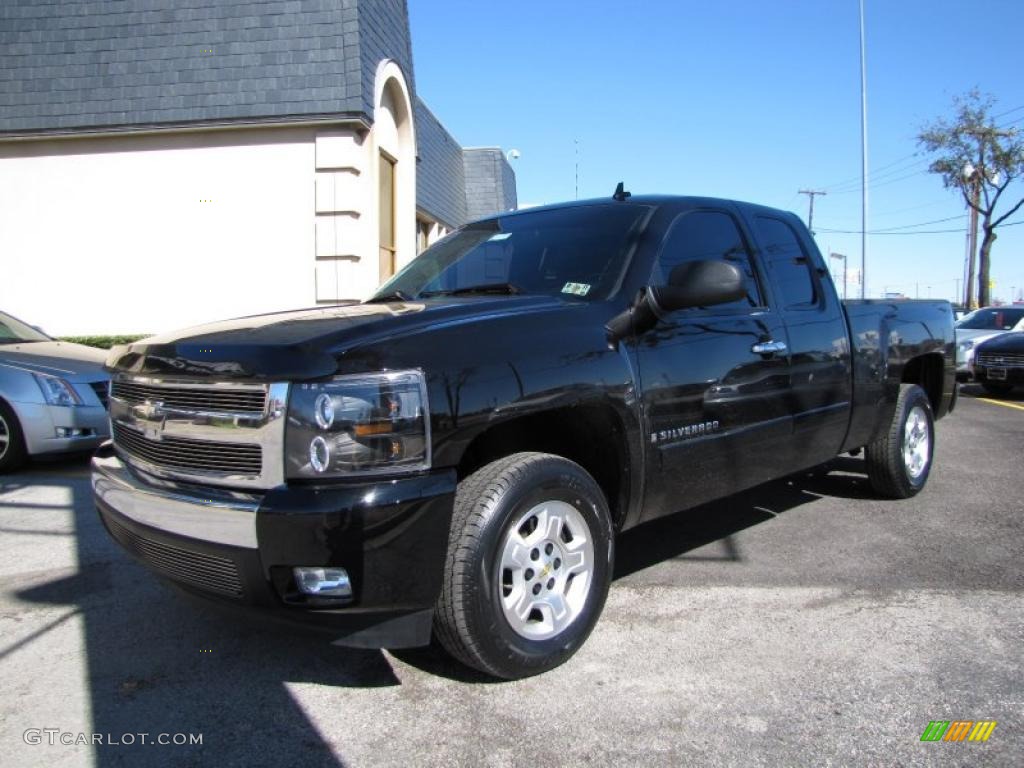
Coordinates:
x,y
971,301
975,176
810,213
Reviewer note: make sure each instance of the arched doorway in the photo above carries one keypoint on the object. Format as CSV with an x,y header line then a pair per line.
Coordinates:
x,y
394,166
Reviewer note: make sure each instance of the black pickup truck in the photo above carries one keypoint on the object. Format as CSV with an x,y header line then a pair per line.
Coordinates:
x,y
454,457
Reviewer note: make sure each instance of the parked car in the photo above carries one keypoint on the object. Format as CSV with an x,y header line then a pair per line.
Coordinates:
x,y
53,395
999,363
980,325
457,454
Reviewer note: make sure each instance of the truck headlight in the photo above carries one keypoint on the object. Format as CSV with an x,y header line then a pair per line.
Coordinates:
x,y
56,391
355,425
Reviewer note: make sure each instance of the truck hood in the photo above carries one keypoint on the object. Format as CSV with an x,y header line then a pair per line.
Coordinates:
x,y
307,343
74,362
1011,341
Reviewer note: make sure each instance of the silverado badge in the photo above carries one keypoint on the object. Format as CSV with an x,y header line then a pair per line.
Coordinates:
x,y
675,434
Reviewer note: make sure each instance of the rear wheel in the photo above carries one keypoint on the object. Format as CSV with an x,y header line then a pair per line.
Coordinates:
x,y
899,461
997,388
12,442
528,566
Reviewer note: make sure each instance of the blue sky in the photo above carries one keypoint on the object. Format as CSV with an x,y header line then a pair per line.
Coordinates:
x,y
746,100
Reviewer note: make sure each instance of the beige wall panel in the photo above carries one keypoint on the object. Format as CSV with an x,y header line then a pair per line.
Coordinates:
x,y
150,233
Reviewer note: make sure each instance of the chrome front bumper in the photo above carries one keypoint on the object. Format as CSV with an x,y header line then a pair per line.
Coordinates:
x,y
216,517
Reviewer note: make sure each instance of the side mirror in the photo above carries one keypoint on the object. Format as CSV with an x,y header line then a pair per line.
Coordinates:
x,y
698,284
693,284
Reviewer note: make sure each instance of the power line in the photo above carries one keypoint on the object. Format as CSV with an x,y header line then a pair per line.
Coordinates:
x,y
885,183
1008,112
889,169
885,230
922,224
877,172
918,232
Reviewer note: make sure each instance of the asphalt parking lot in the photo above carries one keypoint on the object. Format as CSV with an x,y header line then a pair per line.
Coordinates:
x,y
802,623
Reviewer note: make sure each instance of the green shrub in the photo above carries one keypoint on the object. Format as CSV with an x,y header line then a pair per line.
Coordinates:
x,y
103,342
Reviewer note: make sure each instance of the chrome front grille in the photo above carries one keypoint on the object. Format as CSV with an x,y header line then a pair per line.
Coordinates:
x,y
996,360
226,434
183,453
192,397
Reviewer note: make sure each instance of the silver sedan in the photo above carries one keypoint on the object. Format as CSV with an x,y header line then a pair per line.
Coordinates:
x,y
53,395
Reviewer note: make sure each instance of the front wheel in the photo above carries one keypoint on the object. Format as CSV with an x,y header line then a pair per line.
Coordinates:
x,y
900,459
12,442
528,565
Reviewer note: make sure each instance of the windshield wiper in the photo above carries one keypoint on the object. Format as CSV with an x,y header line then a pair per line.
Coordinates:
x,y
391,296
507,289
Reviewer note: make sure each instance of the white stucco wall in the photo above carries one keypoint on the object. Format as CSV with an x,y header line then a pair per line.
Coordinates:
x,y
149,232
145,233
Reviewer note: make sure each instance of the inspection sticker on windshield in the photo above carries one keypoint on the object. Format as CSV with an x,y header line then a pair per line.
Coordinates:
x,y
576,289
498,237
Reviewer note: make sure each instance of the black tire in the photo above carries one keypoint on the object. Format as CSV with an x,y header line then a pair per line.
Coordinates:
x,y
12,441
997,388
470,620
890,472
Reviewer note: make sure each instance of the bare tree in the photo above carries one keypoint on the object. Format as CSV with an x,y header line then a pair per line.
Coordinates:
x,y
980,160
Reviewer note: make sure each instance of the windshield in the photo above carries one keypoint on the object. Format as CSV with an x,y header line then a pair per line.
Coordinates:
x,y
992,319
580,251
13,331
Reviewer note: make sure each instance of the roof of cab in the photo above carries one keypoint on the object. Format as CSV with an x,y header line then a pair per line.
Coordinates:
x,y
694,201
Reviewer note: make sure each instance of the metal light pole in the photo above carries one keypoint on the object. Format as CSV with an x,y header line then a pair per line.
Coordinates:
x,y
863,162
576,144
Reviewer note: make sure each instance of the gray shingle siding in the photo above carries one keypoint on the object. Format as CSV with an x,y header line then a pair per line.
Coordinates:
x,y
490,182
383,34
440,176
68,64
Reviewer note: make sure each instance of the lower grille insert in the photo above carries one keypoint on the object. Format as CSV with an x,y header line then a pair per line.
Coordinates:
x,y
207,572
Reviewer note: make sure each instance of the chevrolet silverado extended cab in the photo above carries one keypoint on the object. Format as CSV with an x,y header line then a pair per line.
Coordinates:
x,y
454,457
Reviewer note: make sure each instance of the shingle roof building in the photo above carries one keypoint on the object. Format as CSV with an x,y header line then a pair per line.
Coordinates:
x,y
237,138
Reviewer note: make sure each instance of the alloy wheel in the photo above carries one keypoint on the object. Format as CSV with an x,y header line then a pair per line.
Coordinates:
x,y
916,442
547,561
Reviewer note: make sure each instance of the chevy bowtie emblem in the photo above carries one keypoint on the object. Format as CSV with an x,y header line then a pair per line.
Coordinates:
x,y
148,409
150,418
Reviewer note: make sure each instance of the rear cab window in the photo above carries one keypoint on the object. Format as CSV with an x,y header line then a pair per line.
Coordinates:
x,y
788,263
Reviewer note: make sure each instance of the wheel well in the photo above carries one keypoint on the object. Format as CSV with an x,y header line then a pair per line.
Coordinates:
x,y
926,371
590,435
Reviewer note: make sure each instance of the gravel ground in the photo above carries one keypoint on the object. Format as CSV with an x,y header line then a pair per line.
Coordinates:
x,y
802,623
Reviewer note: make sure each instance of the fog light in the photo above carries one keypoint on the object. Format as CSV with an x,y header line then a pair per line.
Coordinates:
x,y
323,582
73,432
